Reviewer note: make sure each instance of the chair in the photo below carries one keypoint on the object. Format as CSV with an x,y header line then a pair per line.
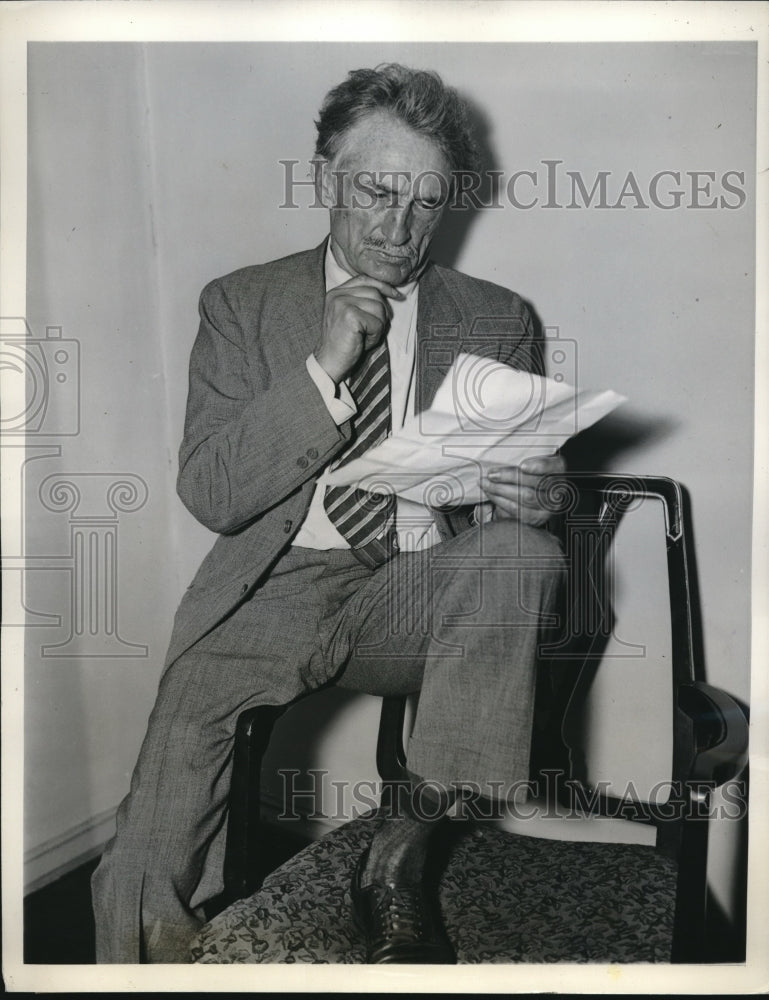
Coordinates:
x,y
533,899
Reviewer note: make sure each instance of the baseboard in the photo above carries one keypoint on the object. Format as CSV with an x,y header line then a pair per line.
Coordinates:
x,y
56,857
53,858
62,854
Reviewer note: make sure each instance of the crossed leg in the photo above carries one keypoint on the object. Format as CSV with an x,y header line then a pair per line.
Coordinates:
x,y
460,621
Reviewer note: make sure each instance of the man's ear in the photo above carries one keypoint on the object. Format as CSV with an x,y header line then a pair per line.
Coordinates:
x,y
328,181
319,172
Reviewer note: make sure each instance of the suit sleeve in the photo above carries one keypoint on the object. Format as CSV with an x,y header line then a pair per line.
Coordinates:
x,y
244,450
522,350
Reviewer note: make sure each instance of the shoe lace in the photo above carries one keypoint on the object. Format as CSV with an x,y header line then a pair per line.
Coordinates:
x,y
400,913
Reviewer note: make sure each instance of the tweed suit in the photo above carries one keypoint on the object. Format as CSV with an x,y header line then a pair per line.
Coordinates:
x,y
263,622
257,433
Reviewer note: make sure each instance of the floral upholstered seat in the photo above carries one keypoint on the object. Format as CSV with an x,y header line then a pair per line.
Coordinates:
x,y
504,898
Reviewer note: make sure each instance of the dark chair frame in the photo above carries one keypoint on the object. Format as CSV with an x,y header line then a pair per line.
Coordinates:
x,y
710,730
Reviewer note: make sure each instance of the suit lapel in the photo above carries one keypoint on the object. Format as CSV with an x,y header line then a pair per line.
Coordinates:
x,y
309,295
439,335
293,312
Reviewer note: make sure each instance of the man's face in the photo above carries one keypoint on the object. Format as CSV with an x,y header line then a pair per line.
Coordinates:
x,y
386,205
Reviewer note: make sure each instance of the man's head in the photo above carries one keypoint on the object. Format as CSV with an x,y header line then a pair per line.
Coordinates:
x,y
391,140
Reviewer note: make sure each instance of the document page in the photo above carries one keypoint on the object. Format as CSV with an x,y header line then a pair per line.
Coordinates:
x,y
484,414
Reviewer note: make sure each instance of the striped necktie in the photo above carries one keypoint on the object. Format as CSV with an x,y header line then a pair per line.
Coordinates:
x,y
361,517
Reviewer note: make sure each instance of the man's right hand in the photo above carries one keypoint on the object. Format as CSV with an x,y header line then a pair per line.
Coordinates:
x,y
356,316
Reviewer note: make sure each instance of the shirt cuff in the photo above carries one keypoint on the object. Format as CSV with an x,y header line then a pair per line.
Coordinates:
x,y
338,399
481,513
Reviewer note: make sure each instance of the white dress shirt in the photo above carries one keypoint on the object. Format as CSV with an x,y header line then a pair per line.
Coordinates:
x,y
414,522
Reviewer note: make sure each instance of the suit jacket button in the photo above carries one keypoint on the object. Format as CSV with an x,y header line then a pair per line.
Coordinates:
x,y
288,526
244,588
302,462
312,453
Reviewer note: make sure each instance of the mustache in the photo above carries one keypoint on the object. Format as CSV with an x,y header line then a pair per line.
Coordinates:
x,y
372,243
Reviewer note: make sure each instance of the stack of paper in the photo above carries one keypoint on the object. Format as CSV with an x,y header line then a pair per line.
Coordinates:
x,y
485,414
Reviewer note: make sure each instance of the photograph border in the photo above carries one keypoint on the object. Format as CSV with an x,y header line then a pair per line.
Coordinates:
x,y
401,20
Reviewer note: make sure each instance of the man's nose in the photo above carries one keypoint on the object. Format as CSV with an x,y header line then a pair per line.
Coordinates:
x,y
397,224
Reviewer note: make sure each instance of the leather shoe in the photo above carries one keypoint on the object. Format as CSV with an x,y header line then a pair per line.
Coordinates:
x,y
400,923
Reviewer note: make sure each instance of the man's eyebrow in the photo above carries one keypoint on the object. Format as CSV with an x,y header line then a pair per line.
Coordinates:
x,y
381,187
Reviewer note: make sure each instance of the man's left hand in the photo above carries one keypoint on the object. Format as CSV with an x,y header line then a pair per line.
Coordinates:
x,y
513,489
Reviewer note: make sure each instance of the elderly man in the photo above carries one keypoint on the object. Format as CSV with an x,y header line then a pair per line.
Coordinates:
x,y
300,365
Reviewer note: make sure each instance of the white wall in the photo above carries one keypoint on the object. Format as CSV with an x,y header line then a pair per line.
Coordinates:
x,y
154,168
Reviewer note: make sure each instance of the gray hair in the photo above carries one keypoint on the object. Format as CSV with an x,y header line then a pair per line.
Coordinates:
x,y
418,98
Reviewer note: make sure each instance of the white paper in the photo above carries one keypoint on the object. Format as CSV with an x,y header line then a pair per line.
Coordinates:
x,y
485,414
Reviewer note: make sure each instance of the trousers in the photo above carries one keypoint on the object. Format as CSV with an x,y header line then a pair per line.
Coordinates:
x,y
459,623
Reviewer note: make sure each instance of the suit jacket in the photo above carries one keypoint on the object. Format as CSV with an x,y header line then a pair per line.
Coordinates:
x,y
257,433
